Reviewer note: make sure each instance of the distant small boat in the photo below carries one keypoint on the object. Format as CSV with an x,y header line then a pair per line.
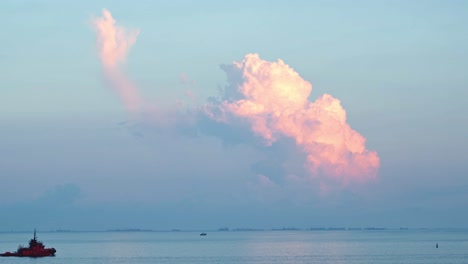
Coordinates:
x,y
203,234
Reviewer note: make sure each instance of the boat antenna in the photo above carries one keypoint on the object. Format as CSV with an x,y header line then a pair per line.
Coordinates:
x,y
34,233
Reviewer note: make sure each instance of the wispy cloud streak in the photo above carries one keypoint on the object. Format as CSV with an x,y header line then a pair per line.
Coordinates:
x,y
113,43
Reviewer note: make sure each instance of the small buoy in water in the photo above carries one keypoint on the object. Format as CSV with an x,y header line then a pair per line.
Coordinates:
x,y
437,245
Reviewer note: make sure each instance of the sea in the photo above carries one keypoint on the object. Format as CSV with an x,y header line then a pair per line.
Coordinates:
x,y
256,247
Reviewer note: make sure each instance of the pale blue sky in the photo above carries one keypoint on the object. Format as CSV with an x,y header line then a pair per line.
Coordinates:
x,y
398,67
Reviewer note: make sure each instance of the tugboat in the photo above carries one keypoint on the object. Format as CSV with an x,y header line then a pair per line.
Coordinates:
x,y
35,249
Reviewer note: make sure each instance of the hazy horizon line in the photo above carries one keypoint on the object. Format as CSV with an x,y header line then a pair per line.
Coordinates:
x,y
136,230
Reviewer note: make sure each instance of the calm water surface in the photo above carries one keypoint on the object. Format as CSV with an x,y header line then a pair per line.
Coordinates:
x,y
360,246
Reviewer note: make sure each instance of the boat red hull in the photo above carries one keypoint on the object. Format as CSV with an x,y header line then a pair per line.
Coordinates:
x,y
48,252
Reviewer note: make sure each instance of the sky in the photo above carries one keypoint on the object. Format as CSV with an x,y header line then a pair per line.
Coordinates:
x,y
247,114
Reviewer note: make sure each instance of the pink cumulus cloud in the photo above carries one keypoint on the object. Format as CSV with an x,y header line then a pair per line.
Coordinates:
x,y
273,99
113,43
